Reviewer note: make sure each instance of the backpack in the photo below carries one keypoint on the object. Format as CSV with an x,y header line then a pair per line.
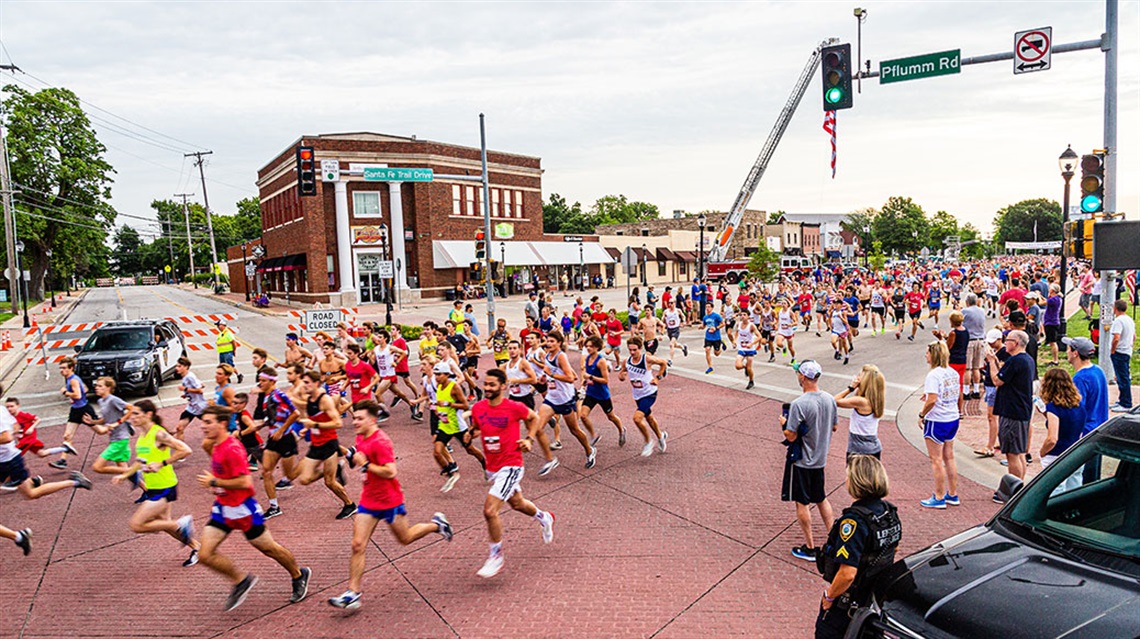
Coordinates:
x,y
878,554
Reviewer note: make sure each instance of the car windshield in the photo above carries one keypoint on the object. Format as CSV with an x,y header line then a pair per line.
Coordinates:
x,y
1090,496
119,340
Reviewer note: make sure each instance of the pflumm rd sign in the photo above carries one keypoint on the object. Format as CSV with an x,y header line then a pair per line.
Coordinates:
x,y
926,65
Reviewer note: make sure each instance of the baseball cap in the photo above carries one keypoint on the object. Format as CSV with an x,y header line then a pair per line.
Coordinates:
x,y
994,335
1083,345
809,368
441,369
291,337
220,322
1016,317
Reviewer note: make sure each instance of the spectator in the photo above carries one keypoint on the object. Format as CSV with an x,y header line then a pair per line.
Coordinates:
x,y
1064,420
531,307
1123,336
974,321
812,417
939,417
1052,321
1014,400
1041,287
1086,287
1089,380
865,397
993,340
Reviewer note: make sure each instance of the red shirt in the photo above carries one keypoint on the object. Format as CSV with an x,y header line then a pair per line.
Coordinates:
x,y
742,300
402,365
805,300
1012,294
600,316
499,429
359,377
665,297
319,436
914,301
379,493
614,330
230,461
25,420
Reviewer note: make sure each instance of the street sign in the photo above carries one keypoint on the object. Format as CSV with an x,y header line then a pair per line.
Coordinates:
x,y
571,238
504,231
250,269
629,259
1032,50
389,174
324,319
166,268
384,267
927,65
259,251
330,170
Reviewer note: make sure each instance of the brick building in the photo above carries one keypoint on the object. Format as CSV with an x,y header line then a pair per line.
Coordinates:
x,y
747,237
333,247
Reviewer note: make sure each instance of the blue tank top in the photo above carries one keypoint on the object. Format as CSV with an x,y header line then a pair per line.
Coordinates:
x,y
220,400
82,401
595,389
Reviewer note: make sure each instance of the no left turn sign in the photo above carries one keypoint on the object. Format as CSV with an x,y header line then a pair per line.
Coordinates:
x,y
1032,50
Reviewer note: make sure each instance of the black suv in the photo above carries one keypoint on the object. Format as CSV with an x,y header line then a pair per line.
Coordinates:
x,y
138,354
1060,559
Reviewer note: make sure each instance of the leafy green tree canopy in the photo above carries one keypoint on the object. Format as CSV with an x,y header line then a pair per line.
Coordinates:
x,y
1015,223
901,226
764,264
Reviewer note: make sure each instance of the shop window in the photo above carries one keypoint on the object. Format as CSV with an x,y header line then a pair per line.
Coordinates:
x,y
366,204
471,210
456,199
661,269
496,209
507,203
518,204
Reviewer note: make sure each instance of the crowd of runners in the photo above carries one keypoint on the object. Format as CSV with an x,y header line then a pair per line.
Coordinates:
x,y
548,376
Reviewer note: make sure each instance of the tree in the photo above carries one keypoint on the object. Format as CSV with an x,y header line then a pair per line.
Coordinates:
x,y
1016,222
774,217
876,258
764,264
897,223
617,209
942,226
558,213
127,259
978,249
856,221
62,180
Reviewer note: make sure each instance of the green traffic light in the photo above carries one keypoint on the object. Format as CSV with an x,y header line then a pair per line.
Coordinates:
x,y
1090,204
834,95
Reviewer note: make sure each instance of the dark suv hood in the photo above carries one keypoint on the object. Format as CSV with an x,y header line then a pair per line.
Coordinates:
x,y
986,583
109,356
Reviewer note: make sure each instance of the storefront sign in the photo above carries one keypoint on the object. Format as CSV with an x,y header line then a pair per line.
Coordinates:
x,y
504,231
571,238
369,235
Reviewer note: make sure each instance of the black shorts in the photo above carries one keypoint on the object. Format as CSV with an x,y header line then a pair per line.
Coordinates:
x,y
1052,334
526,400
879,310
606,404
865,303
323,451
189,417
651,346
915,316
75,415
853,323
765,334
284,447
14,470
252,446
542,387
404,374
433,422
900,315
444,438
803,485
673,333
714,344
253,533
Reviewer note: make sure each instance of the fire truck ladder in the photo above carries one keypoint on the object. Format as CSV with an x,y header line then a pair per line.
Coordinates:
x,y
724,239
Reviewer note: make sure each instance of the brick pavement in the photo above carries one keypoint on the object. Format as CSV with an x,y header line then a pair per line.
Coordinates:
x,y
691,543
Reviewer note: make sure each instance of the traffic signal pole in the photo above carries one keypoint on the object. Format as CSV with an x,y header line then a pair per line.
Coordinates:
x,y
487,225
1108,278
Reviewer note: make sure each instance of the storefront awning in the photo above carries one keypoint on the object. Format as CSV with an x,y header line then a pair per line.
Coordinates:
x,y
615,253
461,253
571,253
269,265
687,256
665,255
296,262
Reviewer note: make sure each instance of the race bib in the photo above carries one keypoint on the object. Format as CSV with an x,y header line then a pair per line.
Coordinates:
x,y
492,445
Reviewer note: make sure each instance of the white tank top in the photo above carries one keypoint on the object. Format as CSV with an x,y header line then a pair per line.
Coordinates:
x,y
640,378
385,362
865,425
559,392
744,337
876,299
514,371
429,388
536,358
672,318
787,324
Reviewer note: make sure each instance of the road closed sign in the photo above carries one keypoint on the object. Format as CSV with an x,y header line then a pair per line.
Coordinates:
x,y
324,319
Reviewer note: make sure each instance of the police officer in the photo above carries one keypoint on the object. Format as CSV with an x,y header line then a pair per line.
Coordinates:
x,y
225,345
861,543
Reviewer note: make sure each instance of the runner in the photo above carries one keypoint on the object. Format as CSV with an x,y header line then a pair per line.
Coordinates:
x,y
498,340
713,344
898,305
247,432
914,309
322,421
596,390
673,321
193,391
934,301
647,328
386,356
561,395
768,329
22,538
294,352
117,456
839,330
28,439
747,341
381,498
786,331
331,366
224,393
402,369
226,344
236,508
157,451
643,381
75,390
614,332
359,375
281,443
449,401
15,474
523,380
497,420
878,315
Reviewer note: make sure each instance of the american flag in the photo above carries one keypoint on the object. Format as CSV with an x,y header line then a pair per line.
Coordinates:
x,y
1130,284
829,126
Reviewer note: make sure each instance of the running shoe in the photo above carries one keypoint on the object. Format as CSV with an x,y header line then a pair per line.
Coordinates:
x,y
444,526
340,474
383,417
192,560
952,500
241,378
24,540
349,600
592,458
621,438
346,512
449,483
805,553
11,485
836,355
910,337
708,371
283,484
921,326
70,449
59,464
793,362
661,442
595,440
898,335
772,357
845,360
272,512
547,527
556,445
80,480
492,566
397,400
933,502
750,386
684,350
417,415
547,467
301,585
237,595
997,498
186,529
647,449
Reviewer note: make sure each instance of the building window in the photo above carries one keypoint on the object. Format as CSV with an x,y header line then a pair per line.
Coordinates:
x,y
682,268
471,201
518,204
507,203
456,199
644,232
366,204
479,198
661,269
496,210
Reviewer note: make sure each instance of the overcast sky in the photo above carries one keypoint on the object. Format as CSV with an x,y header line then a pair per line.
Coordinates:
x,y
668,103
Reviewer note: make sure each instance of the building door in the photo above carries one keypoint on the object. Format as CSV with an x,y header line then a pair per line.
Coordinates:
x,y
371,286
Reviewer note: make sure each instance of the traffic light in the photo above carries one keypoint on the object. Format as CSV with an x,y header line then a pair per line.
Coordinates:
x,y
476,272
1079,239
306,171
836,67
480,245
494,270
1092,183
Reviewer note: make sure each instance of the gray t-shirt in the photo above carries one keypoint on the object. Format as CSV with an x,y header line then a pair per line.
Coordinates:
x,y
819,412
197,401
974,320
112,409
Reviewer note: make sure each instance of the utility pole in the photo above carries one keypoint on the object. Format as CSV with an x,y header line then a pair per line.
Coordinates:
x,y
189,244
487,223
1108,278
9,220
169,243
209,221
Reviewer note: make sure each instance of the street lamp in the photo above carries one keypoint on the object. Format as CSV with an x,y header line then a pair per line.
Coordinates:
x,y
914,234
581,266
1067,162
701,221
20,274
48,277
866,242
503,267
244,272
644,264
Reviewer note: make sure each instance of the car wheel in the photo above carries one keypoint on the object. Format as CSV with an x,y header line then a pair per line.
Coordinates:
x,y
153,382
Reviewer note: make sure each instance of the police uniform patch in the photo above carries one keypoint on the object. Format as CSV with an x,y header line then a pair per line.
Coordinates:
x,y
846,529
842,552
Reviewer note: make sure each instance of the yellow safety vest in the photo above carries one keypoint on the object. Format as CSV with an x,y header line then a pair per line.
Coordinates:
x,y
225,341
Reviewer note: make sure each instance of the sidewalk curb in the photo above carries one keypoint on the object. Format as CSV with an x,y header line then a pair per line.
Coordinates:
x,y
224,300
15,359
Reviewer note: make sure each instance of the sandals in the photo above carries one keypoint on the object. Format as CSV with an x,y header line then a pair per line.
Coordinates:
x,y
984,453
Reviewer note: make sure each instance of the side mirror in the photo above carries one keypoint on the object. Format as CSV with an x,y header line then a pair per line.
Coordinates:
x,y
1010,485
78,349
